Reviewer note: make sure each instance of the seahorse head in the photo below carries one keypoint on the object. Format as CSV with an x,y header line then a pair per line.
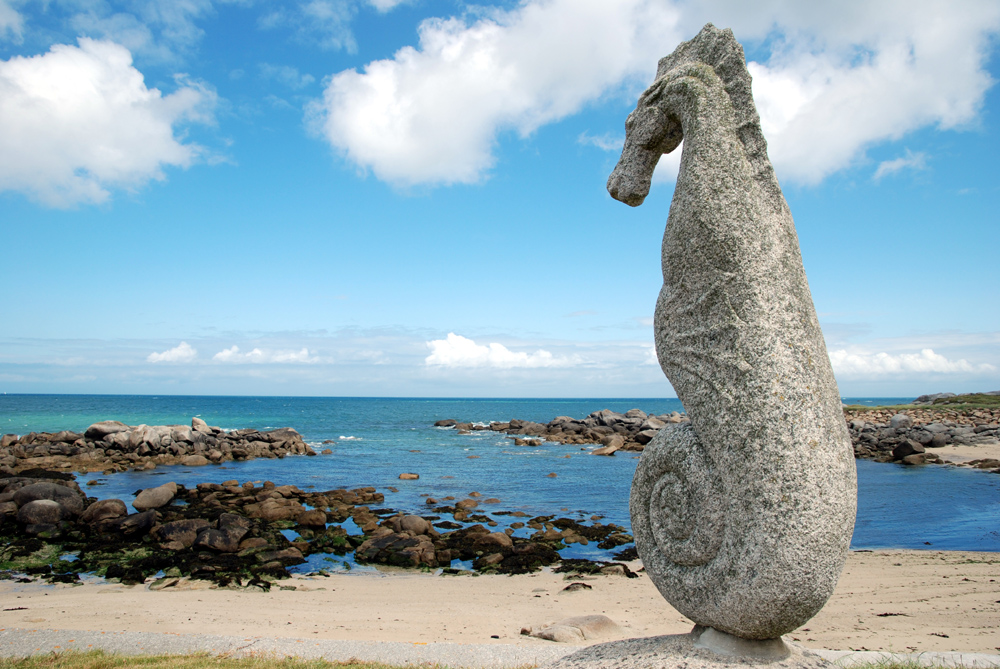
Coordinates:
x,y
654,129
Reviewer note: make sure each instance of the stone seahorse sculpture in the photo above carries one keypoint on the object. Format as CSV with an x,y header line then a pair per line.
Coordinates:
x,y
743,517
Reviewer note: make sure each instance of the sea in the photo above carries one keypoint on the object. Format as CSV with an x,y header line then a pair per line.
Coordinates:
x,y
377,439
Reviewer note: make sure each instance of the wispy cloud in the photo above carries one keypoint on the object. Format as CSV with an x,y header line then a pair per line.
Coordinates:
x,y
183,352
11,22
387,5
286,75
458,351
605,142
323,22
912,161
261,356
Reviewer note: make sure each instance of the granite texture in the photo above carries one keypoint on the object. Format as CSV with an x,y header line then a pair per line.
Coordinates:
x,y
743,518
680,651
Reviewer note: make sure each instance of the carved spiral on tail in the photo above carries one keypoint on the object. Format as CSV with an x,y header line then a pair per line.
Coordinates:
x,y
677,503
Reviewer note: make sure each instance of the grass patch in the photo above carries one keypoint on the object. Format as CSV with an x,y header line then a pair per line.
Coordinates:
x,y
100,660
977,400
898,664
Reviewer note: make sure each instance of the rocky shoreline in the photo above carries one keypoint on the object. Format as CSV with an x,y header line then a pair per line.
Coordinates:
x,y
235,535
885,436
111,446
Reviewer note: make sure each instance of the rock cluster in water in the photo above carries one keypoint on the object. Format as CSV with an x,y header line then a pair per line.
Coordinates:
x,y
629,431
885,436
233,534
111,446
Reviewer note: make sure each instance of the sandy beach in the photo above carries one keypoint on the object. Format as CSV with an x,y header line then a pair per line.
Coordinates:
x,y
901,601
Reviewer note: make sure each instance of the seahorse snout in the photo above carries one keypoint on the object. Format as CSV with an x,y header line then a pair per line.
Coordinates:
x,y
625,189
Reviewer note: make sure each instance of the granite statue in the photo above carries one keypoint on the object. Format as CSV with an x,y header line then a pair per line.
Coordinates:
x,y
744,515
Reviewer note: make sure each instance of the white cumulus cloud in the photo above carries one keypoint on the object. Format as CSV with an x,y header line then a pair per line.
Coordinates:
x,y
183,352
431,114
832,78
257,355
459,351
875,365
79,120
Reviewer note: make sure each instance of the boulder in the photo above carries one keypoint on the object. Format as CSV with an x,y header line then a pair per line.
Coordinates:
x,y
939,440
180,534
901,421
606,450
615,440
228,520
652,423
40,512
493,539
103,510
224,541
71,501
312,518
99,431
194,461
138,523
154,498
413,524
447,422
406,476
198,425
645,436
906,448
578,629
287,556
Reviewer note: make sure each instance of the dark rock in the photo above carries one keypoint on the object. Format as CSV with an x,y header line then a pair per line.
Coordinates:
x,y
180,534
103,510
39,512
138,523
224,541
71,501
906,448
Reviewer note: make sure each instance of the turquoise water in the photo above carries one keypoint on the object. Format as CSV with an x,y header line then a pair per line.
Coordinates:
x,y
379,438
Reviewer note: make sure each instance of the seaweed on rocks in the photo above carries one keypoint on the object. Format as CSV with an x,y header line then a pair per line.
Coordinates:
x,y
589,567
234,535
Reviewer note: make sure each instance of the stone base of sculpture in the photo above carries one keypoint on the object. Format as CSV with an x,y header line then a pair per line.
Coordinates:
x,y
702,648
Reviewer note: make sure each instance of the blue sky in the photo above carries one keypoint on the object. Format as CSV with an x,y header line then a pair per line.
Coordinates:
x,y
375,197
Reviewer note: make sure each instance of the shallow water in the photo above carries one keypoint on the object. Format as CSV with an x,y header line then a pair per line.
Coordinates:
x,y
934,507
